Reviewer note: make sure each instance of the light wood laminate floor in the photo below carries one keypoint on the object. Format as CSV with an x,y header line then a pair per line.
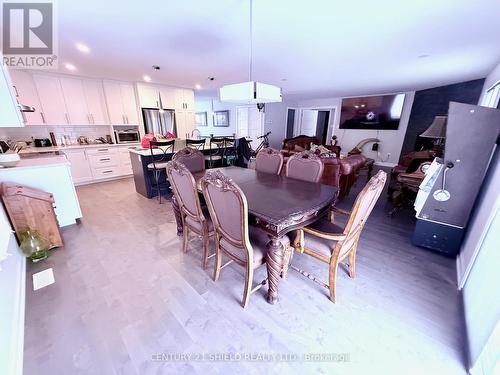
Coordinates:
x,y
125,292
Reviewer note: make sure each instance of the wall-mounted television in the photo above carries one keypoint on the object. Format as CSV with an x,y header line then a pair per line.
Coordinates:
x,y
372,112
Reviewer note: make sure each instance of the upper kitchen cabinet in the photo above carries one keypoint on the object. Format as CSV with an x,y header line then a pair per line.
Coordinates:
x,y
84,100
94,95
25,91
75,100
184,99
122,107
148,96
10,115
51,96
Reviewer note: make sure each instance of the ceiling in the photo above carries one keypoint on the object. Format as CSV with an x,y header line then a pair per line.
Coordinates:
x,y
314,48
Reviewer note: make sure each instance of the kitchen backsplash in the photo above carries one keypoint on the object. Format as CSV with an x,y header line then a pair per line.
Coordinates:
x,y
25,134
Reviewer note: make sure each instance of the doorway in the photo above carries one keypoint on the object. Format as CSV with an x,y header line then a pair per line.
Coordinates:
x,y
250,122
316,123
290,122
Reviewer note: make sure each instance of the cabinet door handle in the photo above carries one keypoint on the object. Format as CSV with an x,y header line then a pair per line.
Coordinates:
x,y
107,171
24,117
123,118
126,116
43,117
92,117
102,150
105,159
67,117
15,89
88,119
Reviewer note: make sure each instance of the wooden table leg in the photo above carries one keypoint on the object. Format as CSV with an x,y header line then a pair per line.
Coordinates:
x,y
177,213
274,261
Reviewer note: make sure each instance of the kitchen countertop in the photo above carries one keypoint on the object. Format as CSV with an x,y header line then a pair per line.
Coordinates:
x,y
40,150
43,161
179,145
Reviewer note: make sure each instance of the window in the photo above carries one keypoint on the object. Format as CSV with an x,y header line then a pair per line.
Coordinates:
x,y
491,96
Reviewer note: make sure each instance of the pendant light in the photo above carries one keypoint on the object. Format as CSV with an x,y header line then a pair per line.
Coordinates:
x,y
250,91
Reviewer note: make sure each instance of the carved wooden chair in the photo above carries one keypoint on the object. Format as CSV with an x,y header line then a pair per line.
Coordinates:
x,y
305,165
330,243
229,211
194,218
192,158
269,161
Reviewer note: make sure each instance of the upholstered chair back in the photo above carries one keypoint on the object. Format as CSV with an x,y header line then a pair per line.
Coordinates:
x,y
269,161
361,210
193,159
229,212
305,165
184,187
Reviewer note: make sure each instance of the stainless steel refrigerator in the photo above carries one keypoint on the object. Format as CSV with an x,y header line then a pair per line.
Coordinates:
x,y
158,121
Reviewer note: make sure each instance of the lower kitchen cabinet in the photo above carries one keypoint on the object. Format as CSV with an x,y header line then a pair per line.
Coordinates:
x,y
80,167
99,163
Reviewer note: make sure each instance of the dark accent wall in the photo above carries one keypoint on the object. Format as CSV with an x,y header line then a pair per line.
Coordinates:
x,y
433,102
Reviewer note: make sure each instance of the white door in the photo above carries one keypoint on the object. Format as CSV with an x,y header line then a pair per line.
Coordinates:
x,y
129,104
250,123
52,100
80,167
94,96
76,103
309,122
113,95
25,90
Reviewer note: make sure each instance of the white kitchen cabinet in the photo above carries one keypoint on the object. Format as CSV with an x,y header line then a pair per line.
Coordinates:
x,y
25,90
10,115
80,166
185,123
148,96
189,99
168,97
94,96
184,99
76,102
122,106
49,90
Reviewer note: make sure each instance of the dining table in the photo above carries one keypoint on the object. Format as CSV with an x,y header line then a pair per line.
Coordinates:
x,y
278,205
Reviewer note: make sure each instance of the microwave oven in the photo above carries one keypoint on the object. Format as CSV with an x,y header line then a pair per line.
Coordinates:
x,y
127,136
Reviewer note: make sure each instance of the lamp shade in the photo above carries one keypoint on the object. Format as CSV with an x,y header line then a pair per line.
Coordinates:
x,y
250,92
437,129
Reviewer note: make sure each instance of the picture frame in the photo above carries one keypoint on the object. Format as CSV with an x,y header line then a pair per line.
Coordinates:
x,y
200,119
221,118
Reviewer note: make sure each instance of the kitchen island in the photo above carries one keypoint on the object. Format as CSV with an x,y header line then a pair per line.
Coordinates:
x,y
141,158
50,173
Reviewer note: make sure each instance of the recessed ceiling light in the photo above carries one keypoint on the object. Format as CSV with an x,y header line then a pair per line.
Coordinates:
x,y
284,79
197,87
423,56
82,47
146,78
70,66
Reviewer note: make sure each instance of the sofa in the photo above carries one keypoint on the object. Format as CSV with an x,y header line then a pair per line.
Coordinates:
x,y
337,172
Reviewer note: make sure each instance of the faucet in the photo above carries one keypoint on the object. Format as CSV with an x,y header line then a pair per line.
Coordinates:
x,y
198,133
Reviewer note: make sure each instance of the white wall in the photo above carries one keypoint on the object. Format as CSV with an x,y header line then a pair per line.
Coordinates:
x,y
205,105
275,121
391,140
478,263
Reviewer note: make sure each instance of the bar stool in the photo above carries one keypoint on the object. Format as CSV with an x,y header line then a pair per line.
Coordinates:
x,y
215,152
198,144
159,163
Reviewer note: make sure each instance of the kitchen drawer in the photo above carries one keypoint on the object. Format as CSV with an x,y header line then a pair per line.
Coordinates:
x,y
104,160
102,150
107,172
126,169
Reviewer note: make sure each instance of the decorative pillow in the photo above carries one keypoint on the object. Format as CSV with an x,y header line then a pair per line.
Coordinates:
x,y
298,148
324,150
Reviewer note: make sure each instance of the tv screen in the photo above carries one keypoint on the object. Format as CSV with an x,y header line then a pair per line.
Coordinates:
x,y
372,112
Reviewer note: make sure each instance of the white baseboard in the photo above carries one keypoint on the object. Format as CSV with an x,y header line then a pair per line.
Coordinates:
x,y
385,164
